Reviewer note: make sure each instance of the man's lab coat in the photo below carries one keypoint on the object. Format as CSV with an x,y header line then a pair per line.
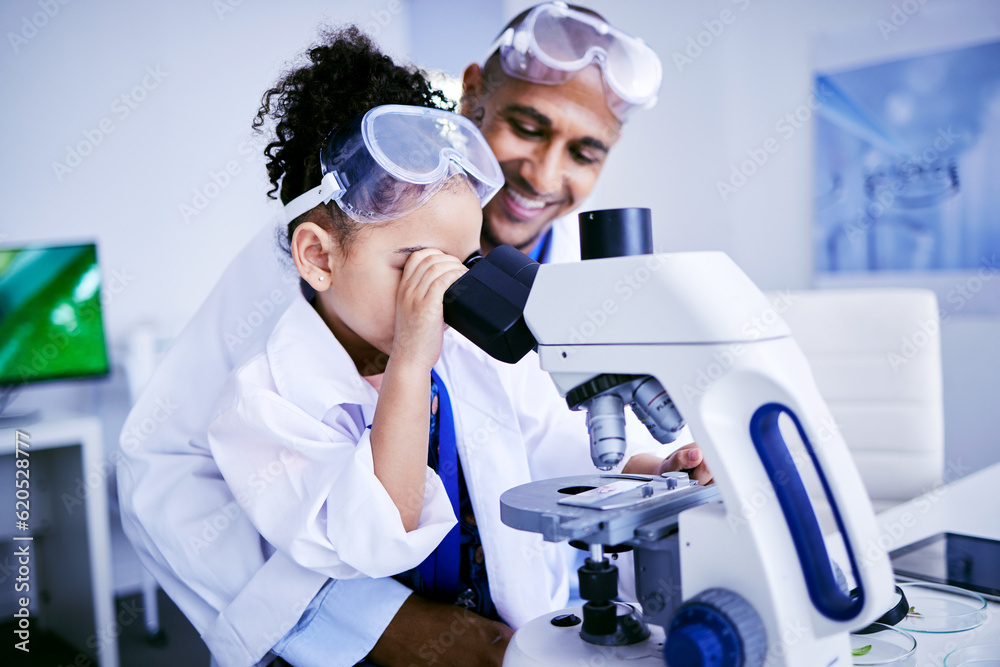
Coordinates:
x,y
240,593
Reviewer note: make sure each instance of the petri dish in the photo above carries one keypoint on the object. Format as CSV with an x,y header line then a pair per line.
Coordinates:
x,y
941,608
884,645
983,655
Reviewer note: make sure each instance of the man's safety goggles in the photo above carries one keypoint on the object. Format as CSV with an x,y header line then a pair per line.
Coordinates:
x,y
552,42
389,161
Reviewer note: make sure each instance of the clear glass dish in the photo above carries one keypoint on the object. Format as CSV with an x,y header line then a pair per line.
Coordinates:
x,y
885,646
940,608
983,655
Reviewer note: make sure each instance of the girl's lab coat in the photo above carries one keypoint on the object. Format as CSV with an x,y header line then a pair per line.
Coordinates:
x,y
292,439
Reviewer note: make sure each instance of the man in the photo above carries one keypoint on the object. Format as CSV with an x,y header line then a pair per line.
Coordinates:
x,y
551,115
253,603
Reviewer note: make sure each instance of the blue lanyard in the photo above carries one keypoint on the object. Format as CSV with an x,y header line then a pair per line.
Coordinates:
x,y
541,250
440,570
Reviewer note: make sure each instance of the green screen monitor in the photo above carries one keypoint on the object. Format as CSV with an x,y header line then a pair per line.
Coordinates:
x,y
51,324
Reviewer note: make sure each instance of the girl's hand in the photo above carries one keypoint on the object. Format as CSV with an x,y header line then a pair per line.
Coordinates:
x,y
419,330
400,425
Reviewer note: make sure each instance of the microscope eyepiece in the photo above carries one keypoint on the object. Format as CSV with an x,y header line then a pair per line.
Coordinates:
x,y
486,305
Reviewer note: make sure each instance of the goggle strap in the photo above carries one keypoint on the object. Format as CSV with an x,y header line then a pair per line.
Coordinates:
x,y
328,189
506,38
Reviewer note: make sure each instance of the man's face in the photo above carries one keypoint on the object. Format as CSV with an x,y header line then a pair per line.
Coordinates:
x,y
551,143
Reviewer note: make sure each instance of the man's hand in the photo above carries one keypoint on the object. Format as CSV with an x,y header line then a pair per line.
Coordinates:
x,y
687,458
431,633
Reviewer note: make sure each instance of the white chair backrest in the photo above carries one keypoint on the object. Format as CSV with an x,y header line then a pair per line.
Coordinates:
x,y
876,357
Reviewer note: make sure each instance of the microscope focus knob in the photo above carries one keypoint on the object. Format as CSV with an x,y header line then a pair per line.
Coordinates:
x,y
716,628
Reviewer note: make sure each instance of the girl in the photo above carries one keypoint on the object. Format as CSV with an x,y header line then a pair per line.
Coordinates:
x,y
365,427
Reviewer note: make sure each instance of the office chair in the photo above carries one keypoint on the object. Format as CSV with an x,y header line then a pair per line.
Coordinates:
x,y
876,358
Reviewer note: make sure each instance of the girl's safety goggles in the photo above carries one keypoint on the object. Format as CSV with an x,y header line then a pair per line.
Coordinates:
x,y
552,42
389,161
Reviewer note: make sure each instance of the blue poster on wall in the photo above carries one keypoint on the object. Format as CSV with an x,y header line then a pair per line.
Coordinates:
x,y
908,164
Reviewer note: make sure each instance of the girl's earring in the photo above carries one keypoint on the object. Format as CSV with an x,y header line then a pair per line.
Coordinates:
x,y
321,278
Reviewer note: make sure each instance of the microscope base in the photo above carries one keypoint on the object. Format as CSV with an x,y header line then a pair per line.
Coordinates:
x,y
541,644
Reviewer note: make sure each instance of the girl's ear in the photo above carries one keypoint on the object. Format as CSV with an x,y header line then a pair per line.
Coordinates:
x,y
312,249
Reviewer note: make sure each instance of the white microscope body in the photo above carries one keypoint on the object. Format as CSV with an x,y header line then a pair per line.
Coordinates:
x,y
698,325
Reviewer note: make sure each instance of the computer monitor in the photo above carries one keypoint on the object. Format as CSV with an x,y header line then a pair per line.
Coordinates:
x,y
51,323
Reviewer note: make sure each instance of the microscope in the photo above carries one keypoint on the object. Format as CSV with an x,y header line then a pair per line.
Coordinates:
x,y
738,573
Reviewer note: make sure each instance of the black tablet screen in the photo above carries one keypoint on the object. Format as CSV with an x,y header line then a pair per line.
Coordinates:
x,y
949,558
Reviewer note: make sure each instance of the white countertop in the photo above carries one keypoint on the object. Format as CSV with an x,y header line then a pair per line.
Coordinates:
x,y
971,506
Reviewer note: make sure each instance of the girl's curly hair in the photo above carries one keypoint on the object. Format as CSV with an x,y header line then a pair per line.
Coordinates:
x,y
345,75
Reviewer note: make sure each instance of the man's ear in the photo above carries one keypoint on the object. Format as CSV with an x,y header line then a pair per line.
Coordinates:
x,y
312,248
472,89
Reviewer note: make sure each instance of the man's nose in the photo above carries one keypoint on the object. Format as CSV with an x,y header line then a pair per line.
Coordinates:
x,y
544,171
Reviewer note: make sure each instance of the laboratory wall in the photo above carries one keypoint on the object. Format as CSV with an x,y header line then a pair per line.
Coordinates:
x,y
129,123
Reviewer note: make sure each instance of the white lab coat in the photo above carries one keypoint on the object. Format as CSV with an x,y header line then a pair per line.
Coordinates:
x,y
177,510
565,244
291,439
193,535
